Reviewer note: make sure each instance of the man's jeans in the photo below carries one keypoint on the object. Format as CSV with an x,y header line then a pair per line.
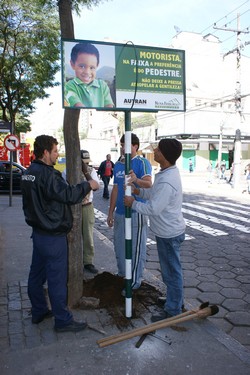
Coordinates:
x,y
49,262
169,256
106,180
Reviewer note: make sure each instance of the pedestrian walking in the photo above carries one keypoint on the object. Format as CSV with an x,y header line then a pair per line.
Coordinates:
x,y
210,172
105,171
164,207
222,170
190,164
247,174
46,205
142,171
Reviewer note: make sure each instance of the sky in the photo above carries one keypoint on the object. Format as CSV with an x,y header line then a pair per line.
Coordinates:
x,y
153,23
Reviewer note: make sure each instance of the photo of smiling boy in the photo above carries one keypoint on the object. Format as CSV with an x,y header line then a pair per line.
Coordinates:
x,y
85,90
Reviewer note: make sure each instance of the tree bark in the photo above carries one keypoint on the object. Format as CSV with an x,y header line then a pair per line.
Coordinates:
x,y
73,171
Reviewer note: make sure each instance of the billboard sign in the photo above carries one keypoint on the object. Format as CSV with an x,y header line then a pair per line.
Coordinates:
x,y
5,126
110,76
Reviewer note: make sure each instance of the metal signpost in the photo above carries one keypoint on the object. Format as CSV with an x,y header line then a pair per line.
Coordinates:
x,y
11,142
128,221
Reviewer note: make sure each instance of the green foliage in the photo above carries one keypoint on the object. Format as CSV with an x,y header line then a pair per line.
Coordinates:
x,y
29,55
75,4
22,125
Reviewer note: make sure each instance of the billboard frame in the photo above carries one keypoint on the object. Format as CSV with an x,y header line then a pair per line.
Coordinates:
x,y
135,81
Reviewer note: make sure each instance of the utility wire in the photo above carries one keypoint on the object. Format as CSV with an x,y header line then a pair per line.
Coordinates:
x,y
225,16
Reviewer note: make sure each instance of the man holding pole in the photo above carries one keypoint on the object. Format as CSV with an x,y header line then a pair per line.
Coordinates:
x,y
142,172
164,207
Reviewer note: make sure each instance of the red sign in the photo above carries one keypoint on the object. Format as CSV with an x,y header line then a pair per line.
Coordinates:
x,y
11,142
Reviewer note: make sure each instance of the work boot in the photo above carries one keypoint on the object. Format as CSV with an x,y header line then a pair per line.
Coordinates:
x,y
73,326
160,316
37,320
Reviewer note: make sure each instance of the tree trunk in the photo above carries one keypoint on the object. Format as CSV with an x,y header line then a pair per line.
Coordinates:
x,y
73,170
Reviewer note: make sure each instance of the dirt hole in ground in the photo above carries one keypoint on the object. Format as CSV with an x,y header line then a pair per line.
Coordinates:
x,y
108,287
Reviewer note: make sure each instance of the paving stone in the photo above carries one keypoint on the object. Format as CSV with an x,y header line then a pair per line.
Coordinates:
x,y
14,305
245,288
232,293
228,283
3,311
213,298
32,341
239,318
189,273
16,341
225,274
15,315
222,267
205,270
209,287
235,305
15,327
14,296
220,260
204,263
3,328
4,344
187,259
188,266
3,301
241,334
190,292
48,336
191,282
247,299
153,266
207,278
203,257
152,258
244,279
239,264
239,271
221,323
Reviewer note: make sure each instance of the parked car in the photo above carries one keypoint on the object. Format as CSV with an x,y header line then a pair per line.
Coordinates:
x,y
17,172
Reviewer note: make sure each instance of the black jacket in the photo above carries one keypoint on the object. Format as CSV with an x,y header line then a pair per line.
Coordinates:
x,y
47,198
102,167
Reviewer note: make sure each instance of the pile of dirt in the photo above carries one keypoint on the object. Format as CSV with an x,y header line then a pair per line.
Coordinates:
x,y
107,288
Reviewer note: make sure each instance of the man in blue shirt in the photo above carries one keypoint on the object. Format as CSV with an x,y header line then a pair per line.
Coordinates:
x,y
142,169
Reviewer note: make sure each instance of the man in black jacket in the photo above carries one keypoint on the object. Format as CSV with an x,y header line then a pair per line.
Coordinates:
x,y
106,172
46,204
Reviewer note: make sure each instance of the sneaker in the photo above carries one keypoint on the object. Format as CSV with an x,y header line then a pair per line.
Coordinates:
x,y
162,300
38,320
72,327
160,316
91,268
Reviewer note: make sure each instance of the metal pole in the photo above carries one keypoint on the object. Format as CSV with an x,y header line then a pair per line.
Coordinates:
x,y
220,152
11,169
237,160
237,144
128,224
